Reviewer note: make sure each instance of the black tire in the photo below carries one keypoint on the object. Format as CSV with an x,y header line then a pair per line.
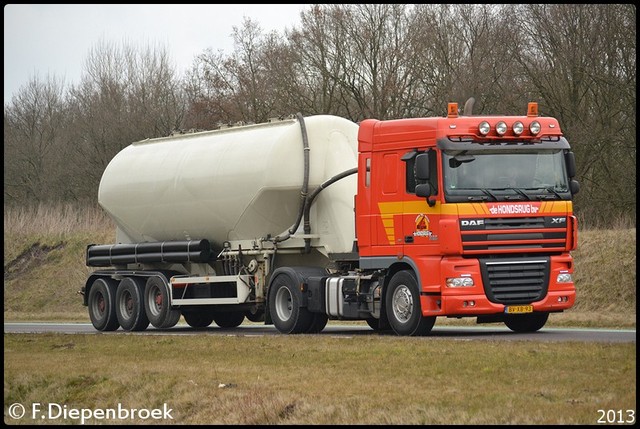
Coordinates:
x,y
284,306
374,323
319,322
402,302
228,319
531,322
198,318
102,304
156,304
130,305
254,314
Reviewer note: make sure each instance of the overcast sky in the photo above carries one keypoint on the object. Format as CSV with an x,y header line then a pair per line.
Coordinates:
x,y
42,40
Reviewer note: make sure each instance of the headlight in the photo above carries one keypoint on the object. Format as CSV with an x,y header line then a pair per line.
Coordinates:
x,y
564,278
534,127
484,128
459,282
518,128
501,128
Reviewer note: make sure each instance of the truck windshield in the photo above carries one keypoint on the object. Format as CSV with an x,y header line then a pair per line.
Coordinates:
x,y
503,176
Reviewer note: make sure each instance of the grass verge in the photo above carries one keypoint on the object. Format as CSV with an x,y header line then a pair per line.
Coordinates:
x,y
307,379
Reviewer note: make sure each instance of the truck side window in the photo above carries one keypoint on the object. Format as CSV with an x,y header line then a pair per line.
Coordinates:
x,y
411,176
411,181
433,170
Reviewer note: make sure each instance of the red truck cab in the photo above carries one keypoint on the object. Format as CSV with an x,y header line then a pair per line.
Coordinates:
x,y
478,208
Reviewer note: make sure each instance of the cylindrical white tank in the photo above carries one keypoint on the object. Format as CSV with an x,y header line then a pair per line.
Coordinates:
x,y
238,183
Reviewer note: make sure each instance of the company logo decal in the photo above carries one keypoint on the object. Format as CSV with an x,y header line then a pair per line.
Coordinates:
x,y
514,208
422,226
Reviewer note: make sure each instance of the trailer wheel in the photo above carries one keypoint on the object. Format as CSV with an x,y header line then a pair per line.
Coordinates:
x,y
526,322
198,318
130,305
102,305
228,319
156,304
403,306
284,306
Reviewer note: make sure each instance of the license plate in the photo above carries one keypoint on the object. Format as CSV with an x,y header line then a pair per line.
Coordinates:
x,y
518,309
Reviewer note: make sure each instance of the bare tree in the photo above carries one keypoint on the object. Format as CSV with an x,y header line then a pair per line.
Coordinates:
x,y
239,87
356,61
581,61
126,94
34,153
318,61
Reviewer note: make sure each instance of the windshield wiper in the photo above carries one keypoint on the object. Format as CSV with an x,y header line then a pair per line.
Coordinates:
x,y
553,191
520,191
488,192
550,189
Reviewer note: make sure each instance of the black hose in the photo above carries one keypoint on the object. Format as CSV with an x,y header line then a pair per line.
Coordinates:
x,y
305,182
314,194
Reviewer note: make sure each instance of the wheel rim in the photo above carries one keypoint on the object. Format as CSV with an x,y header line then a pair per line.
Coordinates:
x,y
101,304
284,306
126,304
402,304
155,301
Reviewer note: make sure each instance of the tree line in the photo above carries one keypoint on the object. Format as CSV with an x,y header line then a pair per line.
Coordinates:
x,y
358,61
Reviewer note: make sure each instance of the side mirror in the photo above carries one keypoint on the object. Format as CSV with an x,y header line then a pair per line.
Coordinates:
x,y
570,160
422,167
575,186
424,190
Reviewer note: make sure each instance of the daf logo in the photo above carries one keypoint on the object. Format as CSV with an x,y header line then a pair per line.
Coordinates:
x,y
472,222
558,220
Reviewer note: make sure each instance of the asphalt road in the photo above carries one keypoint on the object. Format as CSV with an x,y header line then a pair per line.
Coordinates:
x,y
489,332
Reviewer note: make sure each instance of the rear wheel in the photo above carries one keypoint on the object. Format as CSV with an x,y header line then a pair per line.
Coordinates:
x,y
228,319
198,318
320,320
102,304
284,306
255,314
130,305
531,322
157,306
403,306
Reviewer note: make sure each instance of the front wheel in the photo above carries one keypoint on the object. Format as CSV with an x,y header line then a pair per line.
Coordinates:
x,y
403,306
531,322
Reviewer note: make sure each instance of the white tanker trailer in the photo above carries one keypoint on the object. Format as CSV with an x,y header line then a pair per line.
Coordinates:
x,y
203,219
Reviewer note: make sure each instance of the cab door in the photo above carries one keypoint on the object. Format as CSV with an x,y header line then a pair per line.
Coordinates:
x,y
420,225
386,177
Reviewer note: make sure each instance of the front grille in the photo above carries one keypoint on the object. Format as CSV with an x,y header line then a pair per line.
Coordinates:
x,y
515,281
525,234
